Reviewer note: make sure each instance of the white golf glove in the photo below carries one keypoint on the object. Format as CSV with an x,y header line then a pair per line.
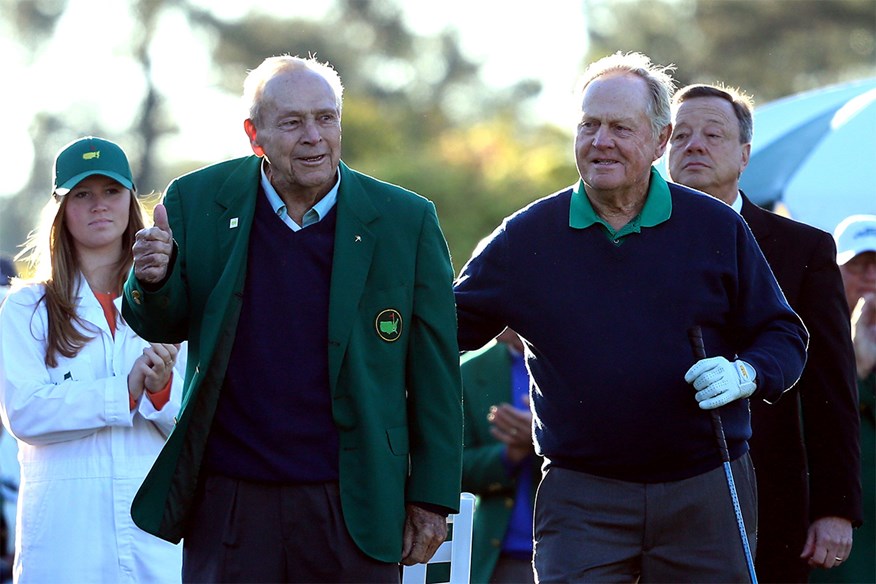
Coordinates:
x,y
719,381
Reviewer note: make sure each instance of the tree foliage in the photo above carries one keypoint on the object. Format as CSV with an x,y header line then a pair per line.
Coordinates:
x,y
415,110
770,49
409,114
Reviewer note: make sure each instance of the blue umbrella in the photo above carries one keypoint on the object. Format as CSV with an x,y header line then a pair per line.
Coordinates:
x,y
813,155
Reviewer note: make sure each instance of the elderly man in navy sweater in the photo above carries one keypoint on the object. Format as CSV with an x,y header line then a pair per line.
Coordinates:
x,y
603,280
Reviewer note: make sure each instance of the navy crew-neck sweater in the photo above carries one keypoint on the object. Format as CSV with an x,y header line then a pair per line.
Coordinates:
x,y
274,418
606,331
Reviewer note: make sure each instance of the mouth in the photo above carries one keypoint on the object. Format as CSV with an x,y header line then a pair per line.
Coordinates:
x,y
604,161
312,159
100,222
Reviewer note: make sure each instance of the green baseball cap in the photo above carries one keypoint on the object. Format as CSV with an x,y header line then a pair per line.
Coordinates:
x,y
87,156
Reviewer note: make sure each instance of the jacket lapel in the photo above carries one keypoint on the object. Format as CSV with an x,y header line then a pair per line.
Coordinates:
x,y
757,220
237,198
89,307
235,208
354,249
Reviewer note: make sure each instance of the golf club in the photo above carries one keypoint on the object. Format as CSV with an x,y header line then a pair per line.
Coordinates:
x,y
695,335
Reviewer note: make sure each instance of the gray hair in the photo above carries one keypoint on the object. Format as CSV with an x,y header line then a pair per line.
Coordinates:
x,y
660,83
255,81
743,104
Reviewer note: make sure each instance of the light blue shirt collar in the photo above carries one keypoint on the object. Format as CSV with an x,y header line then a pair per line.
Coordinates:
x,y
313,215
737,204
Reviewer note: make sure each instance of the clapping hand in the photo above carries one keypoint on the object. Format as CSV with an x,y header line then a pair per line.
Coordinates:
x,y
864,334
513,427
152,370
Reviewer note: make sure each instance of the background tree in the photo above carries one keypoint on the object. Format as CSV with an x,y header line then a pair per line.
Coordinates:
x,y
416,111
409,110
770,49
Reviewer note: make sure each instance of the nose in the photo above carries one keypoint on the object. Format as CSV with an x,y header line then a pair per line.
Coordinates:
x,y
601,138
311,132
98,203
694,143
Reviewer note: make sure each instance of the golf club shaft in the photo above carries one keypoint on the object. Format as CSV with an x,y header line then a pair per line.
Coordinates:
x,y
695,336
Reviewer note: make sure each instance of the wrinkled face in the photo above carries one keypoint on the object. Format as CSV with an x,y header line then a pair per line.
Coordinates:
x,y
299,132
704,150
859,276
614,146
96,214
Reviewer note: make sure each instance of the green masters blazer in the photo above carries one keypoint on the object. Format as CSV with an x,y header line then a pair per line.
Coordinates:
x,y
486,381
392,351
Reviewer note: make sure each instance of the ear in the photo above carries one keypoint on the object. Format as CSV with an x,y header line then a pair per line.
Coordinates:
x,y
662,141
746,156
250,129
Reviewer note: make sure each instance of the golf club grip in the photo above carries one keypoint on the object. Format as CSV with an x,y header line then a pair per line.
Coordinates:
x,y
695,336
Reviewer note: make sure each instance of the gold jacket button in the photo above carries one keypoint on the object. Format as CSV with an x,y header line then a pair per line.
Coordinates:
x,y
137,297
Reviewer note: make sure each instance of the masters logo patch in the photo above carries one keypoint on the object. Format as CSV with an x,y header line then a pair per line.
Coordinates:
x,y
388,324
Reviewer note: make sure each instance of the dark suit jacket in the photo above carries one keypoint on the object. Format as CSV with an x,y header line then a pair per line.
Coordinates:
x,y
814,425
396,401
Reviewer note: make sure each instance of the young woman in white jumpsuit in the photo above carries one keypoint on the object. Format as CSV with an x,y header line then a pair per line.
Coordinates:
x,y
92,404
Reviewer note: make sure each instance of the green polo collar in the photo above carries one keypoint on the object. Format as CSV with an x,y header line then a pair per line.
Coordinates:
x,y
657,209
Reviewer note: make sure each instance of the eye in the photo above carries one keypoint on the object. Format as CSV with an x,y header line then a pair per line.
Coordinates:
x,y
81,194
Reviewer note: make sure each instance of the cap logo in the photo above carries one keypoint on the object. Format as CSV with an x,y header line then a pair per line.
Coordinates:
x,y
90,155
389,325
866,232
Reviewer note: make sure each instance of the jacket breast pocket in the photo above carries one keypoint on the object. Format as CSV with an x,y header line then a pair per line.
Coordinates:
x,y
76,369
386,316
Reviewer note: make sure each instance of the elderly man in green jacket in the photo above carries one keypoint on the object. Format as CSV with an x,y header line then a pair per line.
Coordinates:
x,y
321,432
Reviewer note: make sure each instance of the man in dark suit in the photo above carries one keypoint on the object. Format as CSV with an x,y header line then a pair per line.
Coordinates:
x,y
320,438
802,521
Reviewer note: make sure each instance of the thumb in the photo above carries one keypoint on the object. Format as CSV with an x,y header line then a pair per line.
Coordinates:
x,y
159,218
809,547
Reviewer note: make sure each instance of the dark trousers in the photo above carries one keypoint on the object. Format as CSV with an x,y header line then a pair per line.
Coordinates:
x,y
511,570
255,532
593,529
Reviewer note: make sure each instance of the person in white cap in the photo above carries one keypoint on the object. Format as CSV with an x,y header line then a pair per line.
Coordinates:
x,y
856,255
89,402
